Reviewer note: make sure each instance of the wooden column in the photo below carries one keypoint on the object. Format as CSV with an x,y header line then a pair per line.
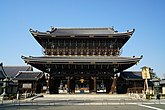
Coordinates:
x,y
68,84
72,86
94,84
91,85
113,87
107,83
51,85
56,85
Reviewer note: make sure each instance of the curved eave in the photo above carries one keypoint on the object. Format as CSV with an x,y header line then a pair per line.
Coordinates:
x,y
27,79
81,60
3,71
112,35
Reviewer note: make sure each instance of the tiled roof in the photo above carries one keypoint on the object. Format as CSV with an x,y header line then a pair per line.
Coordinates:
x,y
12,71
81,32
131,75
2,75
2,72
85,59
29,75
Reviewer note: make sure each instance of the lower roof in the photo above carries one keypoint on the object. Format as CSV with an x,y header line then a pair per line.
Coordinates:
x,y
80,59
29,75
12,71
52,64
131,75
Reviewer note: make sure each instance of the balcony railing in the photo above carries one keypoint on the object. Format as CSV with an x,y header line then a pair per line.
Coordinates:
x,y
84,52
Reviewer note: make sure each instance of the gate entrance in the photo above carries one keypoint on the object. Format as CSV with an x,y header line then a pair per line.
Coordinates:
x,y
82,85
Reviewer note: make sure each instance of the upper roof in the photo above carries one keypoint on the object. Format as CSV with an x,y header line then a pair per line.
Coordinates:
x,y
82,33
29,75
12,71
131,75
77,32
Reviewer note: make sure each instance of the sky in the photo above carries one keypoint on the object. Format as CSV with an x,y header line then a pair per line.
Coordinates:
x,y
147,17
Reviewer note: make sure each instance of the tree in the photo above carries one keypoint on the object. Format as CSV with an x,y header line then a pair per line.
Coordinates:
x,y
152,73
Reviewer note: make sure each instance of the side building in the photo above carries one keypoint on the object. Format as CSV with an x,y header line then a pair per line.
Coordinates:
x,y
130,82
8,86
31,82
20,79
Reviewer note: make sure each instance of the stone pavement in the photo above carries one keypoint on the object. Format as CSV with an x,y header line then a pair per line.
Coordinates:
x,y
74,108
84,97
82,101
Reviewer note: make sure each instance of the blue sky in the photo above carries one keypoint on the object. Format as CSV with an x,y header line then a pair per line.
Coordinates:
x,y
146,16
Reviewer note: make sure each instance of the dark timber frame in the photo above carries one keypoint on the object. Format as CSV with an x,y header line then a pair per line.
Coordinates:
x,y
73,54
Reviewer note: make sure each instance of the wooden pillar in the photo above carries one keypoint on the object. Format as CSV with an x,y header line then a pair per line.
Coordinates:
x,y
94,84
68,84
56,85
113,87
91,85
34,86
47,81
72,86
38,87
107,83
51,85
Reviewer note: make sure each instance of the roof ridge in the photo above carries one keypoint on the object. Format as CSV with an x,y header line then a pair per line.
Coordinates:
x,y
30,71
132,71
77,28
15,66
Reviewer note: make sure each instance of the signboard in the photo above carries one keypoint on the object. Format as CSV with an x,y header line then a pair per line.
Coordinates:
x,y
163,90
44,87
27,85
145,73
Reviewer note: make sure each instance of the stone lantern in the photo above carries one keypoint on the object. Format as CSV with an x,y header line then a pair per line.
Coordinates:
x,y
5,85
156,88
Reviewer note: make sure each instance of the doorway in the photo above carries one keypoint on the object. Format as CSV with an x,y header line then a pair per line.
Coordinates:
x,y
82,85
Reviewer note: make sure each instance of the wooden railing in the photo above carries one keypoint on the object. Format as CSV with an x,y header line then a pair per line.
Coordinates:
x,y
102,52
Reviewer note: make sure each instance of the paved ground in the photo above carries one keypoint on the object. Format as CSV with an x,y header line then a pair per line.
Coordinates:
x,y
161,106
84,102
93,107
